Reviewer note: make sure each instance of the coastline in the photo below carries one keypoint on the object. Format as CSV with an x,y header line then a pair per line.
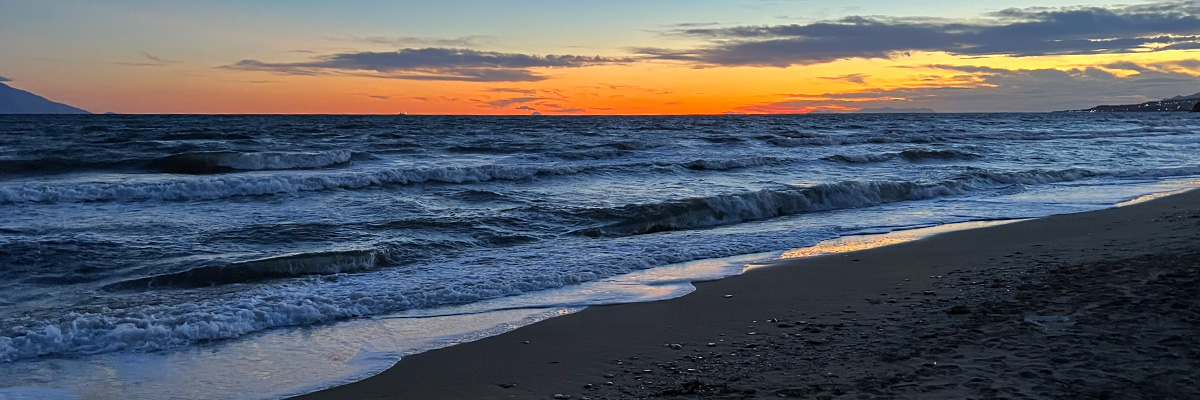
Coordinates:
x,y
944,316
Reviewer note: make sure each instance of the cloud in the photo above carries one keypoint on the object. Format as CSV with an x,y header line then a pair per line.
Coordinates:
x,y
441,64
527,108
153,61
987,89
516,100
3,79
1013,32
852,78
527,92
692,24
415,41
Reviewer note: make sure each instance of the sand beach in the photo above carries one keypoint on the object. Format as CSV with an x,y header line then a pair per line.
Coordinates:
x,y
1091,305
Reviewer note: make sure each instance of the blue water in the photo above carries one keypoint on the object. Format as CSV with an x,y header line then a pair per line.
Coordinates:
x,y
163,236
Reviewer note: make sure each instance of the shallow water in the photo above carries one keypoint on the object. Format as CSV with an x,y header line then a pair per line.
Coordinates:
x,y
123,235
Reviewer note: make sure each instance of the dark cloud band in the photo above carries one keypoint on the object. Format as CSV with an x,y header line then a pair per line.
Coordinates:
x,y
431,64
1013,32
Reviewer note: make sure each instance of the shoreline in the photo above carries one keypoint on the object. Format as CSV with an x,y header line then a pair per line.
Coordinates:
x,y
838,323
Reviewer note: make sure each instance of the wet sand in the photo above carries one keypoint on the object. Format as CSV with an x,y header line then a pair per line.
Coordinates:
x,y
1094,305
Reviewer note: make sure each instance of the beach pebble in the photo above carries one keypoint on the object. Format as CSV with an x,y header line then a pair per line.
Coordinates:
x,y
675,346
507,385
929,293
728,296
610,376
712,345
587,386
562,396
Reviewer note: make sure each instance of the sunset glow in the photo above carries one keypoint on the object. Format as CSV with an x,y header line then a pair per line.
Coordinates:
x,y
620,58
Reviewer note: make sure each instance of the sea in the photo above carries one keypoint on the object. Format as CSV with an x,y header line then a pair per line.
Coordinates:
x,y
256,257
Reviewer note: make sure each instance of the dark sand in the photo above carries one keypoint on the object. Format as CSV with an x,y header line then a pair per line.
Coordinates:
x,y
943,317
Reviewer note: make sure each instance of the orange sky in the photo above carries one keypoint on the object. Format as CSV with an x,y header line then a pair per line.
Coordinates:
x,y
201,73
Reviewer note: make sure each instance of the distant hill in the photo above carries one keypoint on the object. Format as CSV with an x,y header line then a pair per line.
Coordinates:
x,y
17,101
889,110
1188,97
1177,103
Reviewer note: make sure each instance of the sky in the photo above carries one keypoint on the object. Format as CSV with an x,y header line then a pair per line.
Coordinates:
x,y
598,58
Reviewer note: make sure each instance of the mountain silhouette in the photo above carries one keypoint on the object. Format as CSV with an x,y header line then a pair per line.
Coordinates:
x,y
17,101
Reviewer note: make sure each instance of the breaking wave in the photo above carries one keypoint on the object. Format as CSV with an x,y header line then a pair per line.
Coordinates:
x,y
703,212
293,265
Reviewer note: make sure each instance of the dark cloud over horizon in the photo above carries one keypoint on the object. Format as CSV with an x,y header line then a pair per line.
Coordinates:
x,y
431,64
1013,32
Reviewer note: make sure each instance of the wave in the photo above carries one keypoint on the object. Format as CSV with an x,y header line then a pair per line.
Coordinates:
x,y
590,154
224,186
860,158
729,164
911,155
704,212
148,323
922,154
961,136
218,162
289,266
187,163
57,165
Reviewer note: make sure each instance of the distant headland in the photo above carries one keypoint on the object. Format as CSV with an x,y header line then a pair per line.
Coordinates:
x,y
17,101
1177,103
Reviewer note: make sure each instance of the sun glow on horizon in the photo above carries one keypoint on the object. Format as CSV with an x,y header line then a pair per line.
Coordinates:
x,y
772,65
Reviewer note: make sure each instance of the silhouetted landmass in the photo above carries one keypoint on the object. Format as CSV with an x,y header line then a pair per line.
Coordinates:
x,y
17,101
1177,103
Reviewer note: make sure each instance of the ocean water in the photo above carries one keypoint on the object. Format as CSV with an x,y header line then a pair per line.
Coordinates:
x,y
222,247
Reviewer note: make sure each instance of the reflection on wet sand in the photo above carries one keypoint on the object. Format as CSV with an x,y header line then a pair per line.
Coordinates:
x,y
847,244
